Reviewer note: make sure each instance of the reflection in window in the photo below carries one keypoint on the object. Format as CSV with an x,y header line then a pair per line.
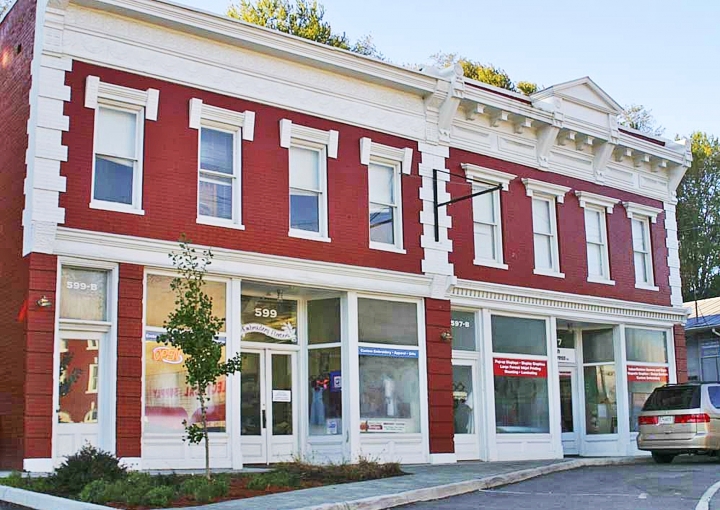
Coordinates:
x,y
78,382
521,405
463,399
389,394
325,391
387,322
514,335
161,299
83,294
600,400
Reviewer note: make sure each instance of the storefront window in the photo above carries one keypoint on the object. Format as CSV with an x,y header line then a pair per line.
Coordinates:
x,y
269,320
168,398
324,321
599,371
520,380
710,360
646,367
389,376
325,391
83,294
463,331
387,322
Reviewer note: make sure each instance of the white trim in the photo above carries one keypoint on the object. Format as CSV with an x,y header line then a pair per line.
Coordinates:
x,y
114,206
200,111
603,281
38,465
647,287
585,198
490,263
96,91
396,207
634,209
496,227
292,133
475,173
218,222
534,187
308,235
548,272
386,247
370,149
443,458
673,258
647,254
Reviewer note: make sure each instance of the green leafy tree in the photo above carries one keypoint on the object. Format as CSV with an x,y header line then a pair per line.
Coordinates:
x,y
698,216
486,73
638,117
301,18
193,329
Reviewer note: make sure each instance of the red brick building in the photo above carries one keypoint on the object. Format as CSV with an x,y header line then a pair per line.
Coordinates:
x,y
529,321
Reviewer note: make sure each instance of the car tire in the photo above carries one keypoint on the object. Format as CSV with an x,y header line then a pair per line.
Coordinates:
x,y
663,458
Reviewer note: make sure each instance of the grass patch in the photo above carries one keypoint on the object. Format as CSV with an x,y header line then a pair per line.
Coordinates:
x,y
94,476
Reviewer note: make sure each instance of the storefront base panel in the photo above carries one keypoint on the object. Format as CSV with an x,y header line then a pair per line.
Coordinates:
x,y
602,447
443,458
526,448
324,452
38,465
173,453
132,463
409,449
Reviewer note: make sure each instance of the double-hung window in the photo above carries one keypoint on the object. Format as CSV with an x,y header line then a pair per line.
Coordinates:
x,y
596,237
117,171
219,162
641,216
545,233
487,220
385,165
308,150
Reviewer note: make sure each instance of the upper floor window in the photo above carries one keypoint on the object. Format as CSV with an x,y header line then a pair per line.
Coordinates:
x,y
309,149
596,236
219,162
487,218
545,234
385,167
641,216
120,115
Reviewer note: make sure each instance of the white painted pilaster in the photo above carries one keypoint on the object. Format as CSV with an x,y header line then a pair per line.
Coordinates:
x,y
673,260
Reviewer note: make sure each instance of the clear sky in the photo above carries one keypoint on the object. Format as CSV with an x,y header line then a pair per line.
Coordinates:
x,y
659,53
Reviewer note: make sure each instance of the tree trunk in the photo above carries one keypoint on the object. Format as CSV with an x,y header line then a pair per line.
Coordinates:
x,y
203,421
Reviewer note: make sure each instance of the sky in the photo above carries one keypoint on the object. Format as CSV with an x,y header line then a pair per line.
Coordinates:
x,y
662,54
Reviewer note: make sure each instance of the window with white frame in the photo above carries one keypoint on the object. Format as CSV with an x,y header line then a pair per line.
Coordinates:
x,y
385,165
308,150
596,236
487,220
120,115
219,161
545,235
641,216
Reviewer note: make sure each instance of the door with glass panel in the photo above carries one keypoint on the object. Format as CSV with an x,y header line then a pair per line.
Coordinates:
x,y
79,390
268,410
568,411
467,441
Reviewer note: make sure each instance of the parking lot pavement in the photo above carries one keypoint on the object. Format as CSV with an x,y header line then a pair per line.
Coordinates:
x,y
677,486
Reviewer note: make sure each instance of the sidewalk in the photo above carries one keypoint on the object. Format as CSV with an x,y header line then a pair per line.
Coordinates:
x,y
423,483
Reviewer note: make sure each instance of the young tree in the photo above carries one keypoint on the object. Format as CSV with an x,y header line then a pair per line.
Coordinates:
x,y
301,18
193,329
486,73
698,217
638,117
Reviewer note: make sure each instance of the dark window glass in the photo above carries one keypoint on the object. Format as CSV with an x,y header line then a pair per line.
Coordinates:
x,y
521,405
113,179
387,322
518,336
598,346
463,331
673,398
304,211
714,393
324,321
216,151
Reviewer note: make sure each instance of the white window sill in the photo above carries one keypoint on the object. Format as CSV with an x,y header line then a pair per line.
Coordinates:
x,y
490,263
603,281
219,222
549,272
112,206
386,247
310,236
645,286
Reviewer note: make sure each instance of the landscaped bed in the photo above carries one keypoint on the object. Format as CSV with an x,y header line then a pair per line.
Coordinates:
x,y
97,477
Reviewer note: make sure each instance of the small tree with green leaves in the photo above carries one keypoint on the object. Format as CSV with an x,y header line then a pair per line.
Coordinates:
x,y
193,329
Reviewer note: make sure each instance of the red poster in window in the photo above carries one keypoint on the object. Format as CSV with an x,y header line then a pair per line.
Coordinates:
x,y
511,367
637,373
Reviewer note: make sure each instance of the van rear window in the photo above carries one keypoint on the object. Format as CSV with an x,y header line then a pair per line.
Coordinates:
x,y
673,398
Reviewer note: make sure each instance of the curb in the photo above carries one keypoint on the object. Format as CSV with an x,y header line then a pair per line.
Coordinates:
x,y
456,489
40,501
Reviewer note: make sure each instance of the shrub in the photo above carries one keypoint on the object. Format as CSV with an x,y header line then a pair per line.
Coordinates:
x,y
279,478
95,492
203,490
85,466
159,496
15,479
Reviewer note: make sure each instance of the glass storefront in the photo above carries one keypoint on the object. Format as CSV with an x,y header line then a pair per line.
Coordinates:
x,y
647,369
600,384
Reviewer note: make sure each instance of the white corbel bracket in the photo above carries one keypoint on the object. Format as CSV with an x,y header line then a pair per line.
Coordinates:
x,y
546,136
498,116
639,159
520,123
565,136
583,141
621,153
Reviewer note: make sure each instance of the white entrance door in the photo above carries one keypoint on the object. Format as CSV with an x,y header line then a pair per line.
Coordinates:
x,y
568,410
268,410
465,397
79,390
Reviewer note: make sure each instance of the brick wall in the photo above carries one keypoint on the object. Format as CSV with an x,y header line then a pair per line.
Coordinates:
x,y
17,32
129,381
170,181
680,353
518,236
439,363
39,361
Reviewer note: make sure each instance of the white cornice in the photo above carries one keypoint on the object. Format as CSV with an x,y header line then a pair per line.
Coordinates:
x,y
533,187
633,209
475,173
587,198
560,304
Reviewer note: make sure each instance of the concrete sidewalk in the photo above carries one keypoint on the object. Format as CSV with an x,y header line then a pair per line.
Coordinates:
x,y
423,483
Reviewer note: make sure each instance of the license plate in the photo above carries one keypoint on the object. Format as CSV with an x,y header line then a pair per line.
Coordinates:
x,y
666,420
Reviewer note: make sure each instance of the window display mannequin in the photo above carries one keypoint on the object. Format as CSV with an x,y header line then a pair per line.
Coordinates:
x,y
317,406
390,400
